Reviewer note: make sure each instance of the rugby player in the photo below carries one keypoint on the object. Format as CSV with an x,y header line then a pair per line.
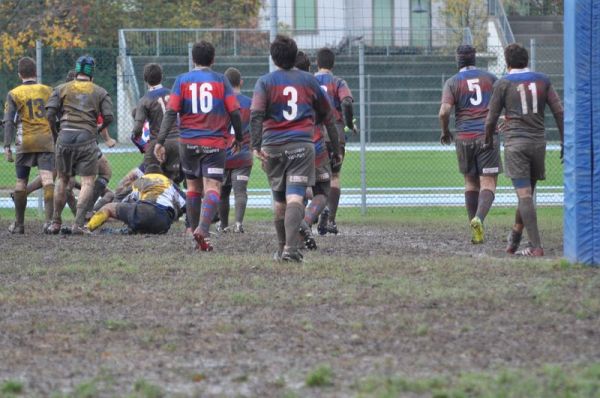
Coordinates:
x,y
25,115
469,92
150,208
340,96
207,106
79,103
523,96
286,105
237,165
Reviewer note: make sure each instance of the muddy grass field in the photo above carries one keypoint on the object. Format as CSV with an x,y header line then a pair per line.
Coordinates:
x,y
398,304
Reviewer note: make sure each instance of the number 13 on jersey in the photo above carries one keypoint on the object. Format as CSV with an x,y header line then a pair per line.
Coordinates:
x,y
206,97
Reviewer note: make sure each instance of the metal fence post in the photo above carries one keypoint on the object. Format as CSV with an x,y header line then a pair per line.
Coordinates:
x,y
363,147
157,43
369,115
532,54
190,58
38,72
235,43
273,29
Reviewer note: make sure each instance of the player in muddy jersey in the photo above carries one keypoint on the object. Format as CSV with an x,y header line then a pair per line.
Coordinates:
x,y
523,95
469,92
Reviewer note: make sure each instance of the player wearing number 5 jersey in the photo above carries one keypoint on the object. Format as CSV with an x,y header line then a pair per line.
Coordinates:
x,y
469,92
151,108
523,96
207,106
25,114
286,105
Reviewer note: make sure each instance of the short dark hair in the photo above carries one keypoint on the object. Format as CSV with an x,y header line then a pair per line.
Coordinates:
x,y
516,56
325,58
302,61
465,55
152,74
234,76
203,53
283,51
26,68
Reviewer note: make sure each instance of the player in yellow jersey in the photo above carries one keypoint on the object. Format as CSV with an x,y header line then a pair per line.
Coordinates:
x,y
25,122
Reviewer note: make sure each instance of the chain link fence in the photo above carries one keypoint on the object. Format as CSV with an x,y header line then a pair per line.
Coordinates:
x,y
395,161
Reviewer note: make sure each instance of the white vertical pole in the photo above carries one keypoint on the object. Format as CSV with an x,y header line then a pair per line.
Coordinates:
x,y
38,72
273,21
362,113
190,58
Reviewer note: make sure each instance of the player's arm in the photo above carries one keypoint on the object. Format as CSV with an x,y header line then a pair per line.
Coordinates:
x,y
52,111
10,113
141,115
444,114
106,111
324,114
257,117
169,119
110,142
495,109
559,115
346,102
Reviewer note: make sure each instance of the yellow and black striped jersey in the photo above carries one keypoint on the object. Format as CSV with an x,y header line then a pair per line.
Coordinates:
x,y
26,108
156,188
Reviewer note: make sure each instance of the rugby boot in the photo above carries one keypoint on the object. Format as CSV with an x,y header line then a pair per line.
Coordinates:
x,y
16,229
307,236
223,230
277,256
332,228
79,230
531,252
238,228
202,243
45,227
54,228
292,256
513,240
323,220
476,231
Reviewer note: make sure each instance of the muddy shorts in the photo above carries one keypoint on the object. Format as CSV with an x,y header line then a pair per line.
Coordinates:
x,y
525,161
145,218
171,166
290,164
25,161
77,159
474,161
201,161
239,174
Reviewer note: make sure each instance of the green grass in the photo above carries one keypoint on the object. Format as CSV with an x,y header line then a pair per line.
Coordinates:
x,y
322,376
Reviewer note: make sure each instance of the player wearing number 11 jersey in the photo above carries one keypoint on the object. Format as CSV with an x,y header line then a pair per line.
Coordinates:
x,y
207,106
469,92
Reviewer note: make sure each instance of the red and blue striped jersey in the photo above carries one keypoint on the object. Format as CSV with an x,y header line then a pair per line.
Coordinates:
x,y
293,103
337,89
204,99
244,157
470,91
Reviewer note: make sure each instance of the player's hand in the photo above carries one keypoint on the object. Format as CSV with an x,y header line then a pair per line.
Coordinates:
x,y
236,146
111,142
336,160
562,153
160,153
8,154
354,130
446,138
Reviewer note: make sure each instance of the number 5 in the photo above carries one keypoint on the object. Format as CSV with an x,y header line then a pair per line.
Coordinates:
x,y
473,85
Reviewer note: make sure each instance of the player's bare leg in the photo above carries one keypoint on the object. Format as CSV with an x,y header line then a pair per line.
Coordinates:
x,y
279,222
210,202
294,214
486,197
528,214
313,210
47,179
20,199
334,201
101,216
34,185
104,175
60,199
70,195
83,203
240,197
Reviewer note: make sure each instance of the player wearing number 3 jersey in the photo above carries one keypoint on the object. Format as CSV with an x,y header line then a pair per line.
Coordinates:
x,y
286,105
469,92
207,106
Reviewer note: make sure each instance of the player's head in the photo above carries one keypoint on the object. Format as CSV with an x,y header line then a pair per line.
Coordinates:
x,y
325,58
283,51
302,61
203,53
234,76
85,65
516,56
153,168
153,74
465,55
26,68
70,75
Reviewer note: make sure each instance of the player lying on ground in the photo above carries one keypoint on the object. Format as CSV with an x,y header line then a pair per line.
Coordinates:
x,y
24,114
469,92
238,166
151,208
523,96
207,106
286,106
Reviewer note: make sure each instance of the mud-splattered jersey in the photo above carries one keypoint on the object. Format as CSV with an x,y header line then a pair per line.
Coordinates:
x,y
25,107
469,91
204,99
157,189
79,103
151,108
244,157
337,89
523,95
293,103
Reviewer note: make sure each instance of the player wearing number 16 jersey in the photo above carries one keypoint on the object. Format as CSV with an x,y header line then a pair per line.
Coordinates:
x,y
523,96
207,106
286,106
469,92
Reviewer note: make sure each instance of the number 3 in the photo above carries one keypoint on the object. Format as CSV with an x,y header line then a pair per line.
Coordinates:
x,y
473,85
292,103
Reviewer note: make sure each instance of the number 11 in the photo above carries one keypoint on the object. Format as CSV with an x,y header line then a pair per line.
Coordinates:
x,y
534,99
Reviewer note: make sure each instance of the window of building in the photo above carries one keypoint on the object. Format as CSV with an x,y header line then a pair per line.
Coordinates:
x,y
305,14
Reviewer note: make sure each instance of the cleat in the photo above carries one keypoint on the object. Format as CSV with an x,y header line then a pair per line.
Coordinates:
x,y
16,229
277,256
307,236
65,230
292,256
79,230
323,219
332,228
202,243
476,231
222,230
513,241
238,228
45,227
531,252
53,229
